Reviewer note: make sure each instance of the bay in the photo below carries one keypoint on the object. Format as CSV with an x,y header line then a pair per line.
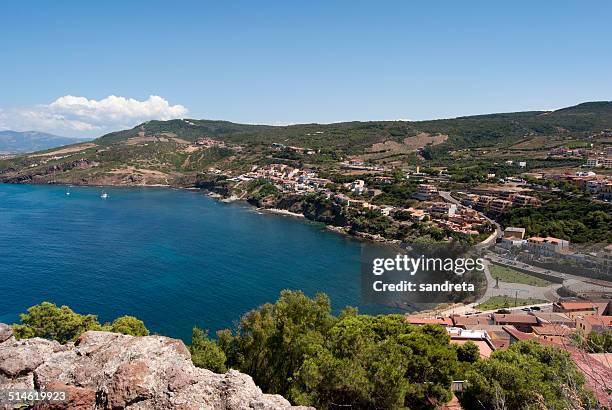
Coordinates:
x,y
173,258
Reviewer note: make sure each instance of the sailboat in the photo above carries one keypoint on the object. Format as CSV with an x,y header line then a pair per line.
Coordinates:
x,y
104,195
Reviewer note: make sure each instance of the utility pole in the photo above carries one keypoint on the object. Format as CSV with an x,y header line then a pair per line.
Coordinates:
x,y
515,298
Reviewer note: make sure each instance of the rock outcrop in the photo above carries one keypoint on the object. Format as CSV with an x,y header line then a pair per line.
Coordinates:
x,y
103,370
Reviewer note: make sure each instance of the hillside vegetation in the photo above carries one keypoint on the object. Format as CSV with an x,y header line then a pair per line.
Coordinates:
x,y
298,348
352,137
163,152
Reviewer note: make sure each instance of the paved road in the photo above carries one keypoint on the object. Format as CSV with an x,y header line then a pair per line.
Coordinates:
x,y
516,264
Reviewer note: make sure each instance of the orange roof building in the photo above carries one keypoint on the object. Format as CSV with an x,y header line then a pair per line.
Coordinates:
x,y
447,321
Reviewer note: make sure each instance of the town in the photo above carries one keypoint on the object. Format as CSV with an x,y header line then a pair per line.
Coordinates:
x,y
538,287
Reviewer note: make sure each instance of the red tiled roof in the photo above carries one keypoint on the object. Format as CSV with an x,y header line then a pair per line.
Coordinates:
x,y
598,374
483,347
429,321
471,320
500,343
515,318
599,320
517,334
552,330
578,305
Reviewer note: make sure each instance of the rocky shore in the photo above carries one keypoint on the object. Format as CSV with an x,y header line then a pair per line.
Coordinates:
x,y
103,370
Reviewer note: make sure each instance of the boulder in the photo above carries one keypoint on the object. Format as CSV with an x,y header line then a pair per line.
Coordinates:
x,y
5,332
103,370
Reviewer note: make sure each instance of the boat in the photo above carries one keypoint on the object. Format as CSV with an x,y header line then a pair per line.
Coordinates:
x,y
104,195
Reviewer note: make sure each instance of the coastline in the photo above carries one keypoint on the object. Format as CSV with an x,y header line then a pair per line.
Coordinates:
x,y
283,212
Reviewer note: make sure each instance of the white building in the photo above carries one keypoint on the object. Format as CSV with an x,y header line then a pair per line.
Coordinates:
x,y
592,162
358,186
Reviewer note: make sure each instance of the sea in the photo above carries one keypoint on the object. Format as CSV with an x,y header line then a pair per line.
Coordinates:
x,y
173,258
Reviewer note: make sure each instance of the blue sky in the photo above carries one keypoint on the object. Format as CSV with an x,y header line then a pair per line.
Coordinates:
x,y
288,62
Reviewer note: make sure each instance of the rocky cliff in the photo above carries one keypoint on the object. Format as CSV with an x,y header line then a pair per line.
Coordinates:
x,y
103,370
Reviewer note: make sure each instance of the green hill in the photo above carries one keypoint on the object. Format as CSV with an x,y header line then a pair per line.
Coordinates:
x,y
164,151
352,137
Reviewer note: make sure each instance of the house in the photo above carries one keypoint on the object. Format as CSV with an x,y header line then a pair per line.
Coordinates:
x,y
358,186
593,186
524,323
554,333
606,191
470,200
592,162
443,209
498,335
499,205
416,214
383,180
419,321
513,237
426,192
514,233
553,318
480,338
342,199
525,200
591,323
464,321
516,335
575,309
548,246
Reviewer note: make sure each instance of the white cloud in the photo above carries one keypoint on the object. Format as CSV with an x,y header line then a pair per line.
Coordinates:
x,y
79,116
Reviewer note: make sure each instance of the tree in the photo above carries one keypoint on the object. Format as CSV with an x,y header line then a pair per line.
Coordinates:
x,y
129,325
64,325
600,342
270,342
468,352
51,322
297,348
526,375
206,353
398,175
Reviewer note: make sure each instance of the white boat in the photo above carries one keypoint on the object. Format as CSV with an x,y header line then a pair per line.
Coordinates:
x,y
104,195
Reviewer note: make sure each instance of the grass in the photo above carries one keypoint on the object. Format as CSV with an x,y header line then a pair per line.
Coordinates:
x,y
510,275
500,302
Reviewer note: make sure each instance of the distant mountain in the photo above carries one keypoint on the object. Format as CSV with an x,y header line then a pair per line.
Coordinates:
x,y
30,141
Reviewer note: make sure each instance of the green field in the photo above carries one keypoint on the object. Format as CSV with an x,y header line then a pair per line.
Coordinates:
x,y
500,302
510,275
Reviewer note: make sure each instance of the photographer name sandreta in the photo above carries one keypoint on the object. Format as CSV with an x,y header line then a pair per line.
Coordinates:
x,y
406,286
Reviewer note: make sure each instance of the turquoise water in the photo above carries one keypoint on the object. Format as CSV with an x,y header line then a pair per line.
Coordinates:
x,y
173,258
